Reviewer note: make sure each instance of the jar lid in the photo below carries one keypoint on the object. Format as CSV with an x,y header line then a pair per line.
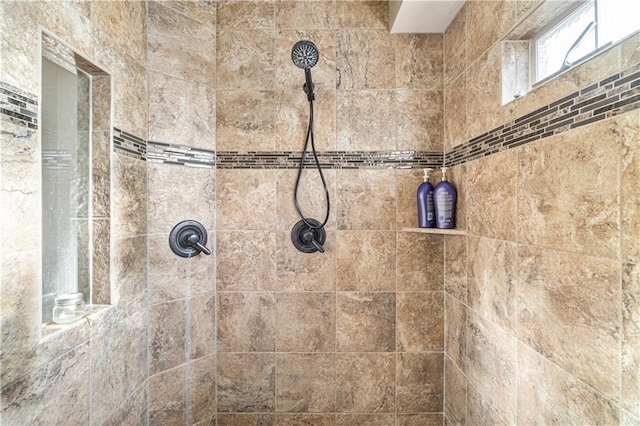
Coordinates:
x,y
68,298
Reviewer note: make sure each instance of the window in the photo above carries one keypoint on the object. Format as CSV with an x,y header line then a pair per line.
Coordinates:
x,y
590,27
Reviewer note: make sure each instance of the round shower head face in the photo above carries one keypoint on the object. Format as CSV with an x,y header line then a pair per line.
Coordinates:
x,y
305,54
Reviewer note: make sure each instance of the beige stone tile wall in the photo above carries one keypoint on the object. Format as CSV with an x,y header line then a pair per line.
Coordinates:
x,y
541,321
96,371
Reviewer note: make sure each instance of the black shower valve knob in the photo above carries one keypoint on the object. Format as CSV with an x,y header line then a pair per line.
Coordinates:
x,y
189,238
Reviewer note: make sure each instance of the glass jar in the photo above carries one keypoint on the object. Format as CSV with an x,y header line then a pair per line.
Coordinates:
x,y
68,308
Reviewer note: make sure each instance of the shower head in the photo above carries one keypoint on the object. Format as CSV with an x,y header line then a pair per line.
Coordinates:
x,y
305,54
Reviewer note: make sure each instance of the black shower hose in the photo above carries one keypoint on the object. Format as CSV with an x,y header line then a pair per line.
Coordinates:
x,y
317,161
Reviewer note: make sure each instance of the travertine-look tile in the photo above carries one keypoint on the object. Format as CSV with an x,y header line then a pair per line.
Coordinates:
x,y
367,383
201,11
455,112
420,382
366,322
366,199
455,44
418,61
629,133
548,394
181,113
238,419
420,321
571,216
134,411
305,383
180,46
246,199
501,14
480,411
246,322
292,119
202,314
246,382
419,120
305,322
246,260
63,383
298,271
101,173
245,120
492,280
362,113
305,14
290,77
166,336
491,365
566,302
168,273
249,14
455,338
178,193
203,388
630,391
492,196
130,274
129,195
311,197
457,175
361,14
365,420
167,397
455,393
246,59
366,260
455,274
118,364
407,182
202,269
365,59
126,22
420,262
305,419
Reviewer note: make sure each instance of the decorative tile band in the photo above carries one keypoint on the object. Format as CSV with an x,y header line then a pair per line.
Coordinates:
x,y
158,152
129,145
18,106
607,98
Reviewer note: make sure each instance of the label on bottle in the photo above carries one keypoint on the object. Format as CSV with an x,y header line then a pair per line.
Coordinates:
x,y
430,207
445,202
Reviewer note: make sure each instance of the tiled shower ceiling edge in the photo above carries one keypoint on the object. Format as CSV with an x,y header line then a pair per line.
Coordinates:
x,y
612,96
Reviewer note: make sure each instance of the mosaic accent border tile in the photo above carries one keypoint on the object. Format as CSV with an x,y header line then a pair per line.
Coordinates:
x,y
129,145
18,106
158,152
607,98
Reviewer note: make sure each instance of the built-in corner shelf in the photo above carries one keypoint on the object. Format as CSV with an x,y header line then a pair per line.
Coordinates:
x,y
436,231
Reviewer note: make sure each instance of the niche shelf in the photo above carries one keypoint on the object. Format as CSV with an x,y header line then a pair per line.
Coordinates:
x,y
436,231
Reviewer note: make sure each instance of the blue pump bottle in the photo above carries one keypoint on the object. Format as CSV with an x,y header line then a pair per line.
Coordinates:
x,y
426,212
444,200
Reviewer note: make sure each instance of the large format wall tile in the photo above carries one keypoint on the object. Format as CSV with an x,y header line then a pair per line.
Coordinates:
x,y
569,310
419,61
578,214
363,113
365,59
246,59
312,14
298,271
201,11
419,120
246,322
492,280
133,411
501,15
455,43
362,14
246,199
129,191
167,397
481,412
548,394
492,196
305,383
129,270
246,382
180,46
246,260
203,388
126,23
420,321
168,273
455,112
366,199
366,260
245,120
365,419
455,393
250,14
491,365
420,383
455,274
366,322
166,336
202,316
367,383
181,113
305,322
455,337
420,262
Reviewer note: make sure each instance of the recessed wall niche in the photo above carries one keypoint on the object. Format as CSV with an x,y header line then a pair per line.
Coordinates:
x,y
75,144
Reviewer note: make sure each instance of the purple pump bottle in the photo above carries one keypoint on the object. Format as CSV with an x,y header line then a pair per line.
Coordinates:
x,y
426,212
444,200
